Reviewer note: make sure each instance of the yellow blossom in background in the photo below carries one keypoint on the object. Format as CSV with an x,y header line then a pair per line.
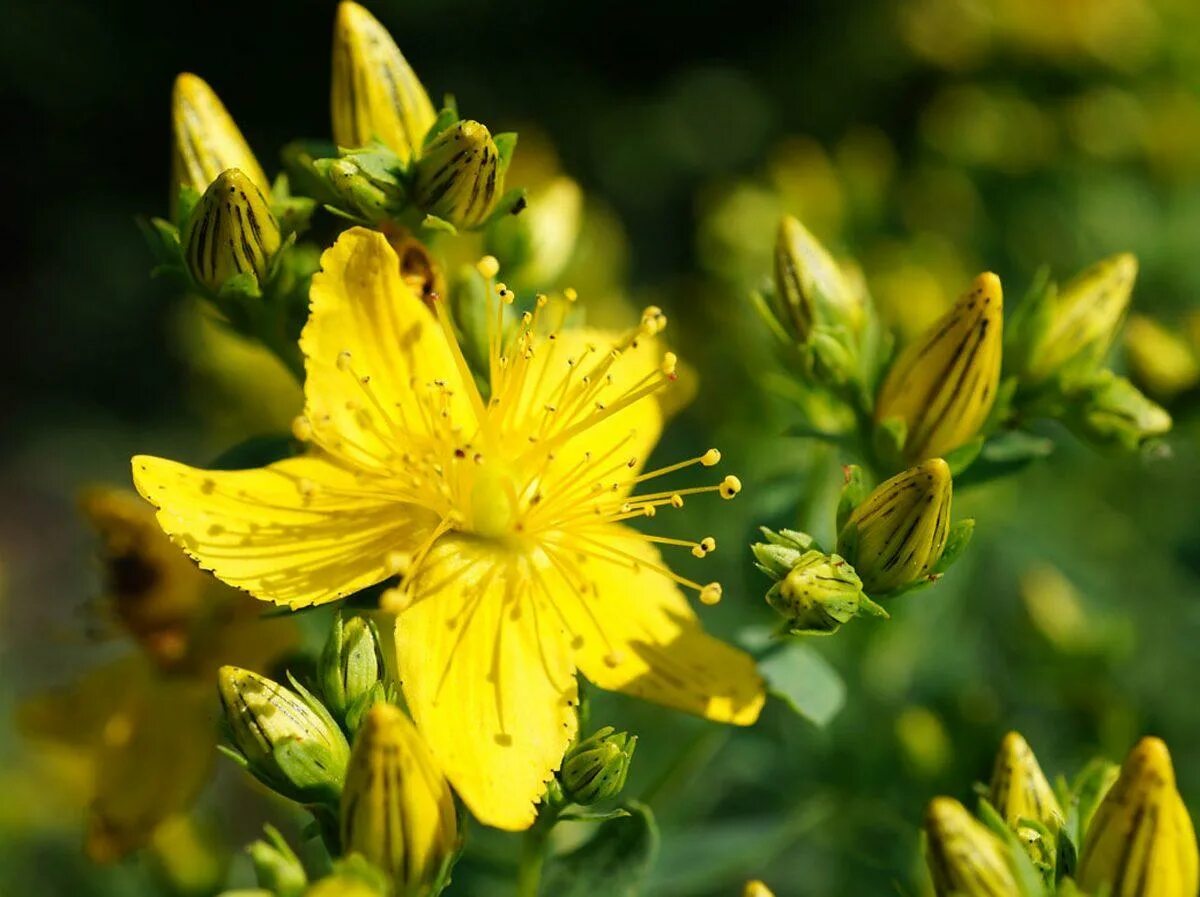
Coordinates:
x,y
505,520
1141,840
376,94
206,139
756,889
143,725
1160,360
942,386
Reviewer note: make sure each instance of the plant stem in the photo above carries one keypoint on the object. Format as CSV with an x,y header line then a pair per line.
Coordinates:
x,y
533,851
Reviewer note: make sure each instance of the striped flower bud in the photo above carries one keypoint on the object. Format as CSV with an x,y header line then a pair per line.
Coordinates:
x,y
1019,789
1141,841
285,738
231,232
351,666
376,94
594,769
896,537
397,811
206,139
965,859
810,288
942,386
1071,329
459,178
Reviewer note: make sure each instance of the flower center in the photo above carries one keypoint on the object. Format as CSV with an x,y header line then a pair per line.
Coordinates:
x,y
495,500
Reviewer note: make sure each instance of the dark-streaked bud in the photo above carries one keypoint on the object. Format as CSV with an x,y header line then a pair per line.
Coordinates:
x,y
965,859
206,141
810,289
397,811
1019,789
376,94
1140,840
896,537
1111,411
941,388
459,178
594,769
231,233
351,667
285,738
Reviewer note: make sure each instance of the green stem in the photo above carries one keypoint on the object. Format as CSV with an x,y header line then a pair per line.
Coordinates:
x,y
533,851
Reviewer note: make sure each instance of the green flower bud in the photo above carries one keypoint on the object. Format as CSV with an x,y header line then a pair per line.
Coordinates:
x,y
965,859
1065,333
351,665
1019,789
810,290
594,769
1141,839
276,865
459,178
376,94
1111,411
363,184
896,537
942,386
206,139
285,739
397,811
230,233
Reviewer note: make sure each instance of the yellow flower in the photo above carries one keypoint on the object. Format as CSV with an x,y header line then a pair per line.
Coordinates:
x,y
943,385
506,518
206,139
964,858
376,94
143,724
397,811
1019,789
1141,840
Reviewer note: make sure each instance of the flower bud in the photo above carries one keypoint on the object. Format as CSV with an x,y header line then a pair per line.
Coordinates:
x,y
942,386
1071,329
206,139
1111,411
287,740
1160,360
756,889
459,177
376,94
1141,839
351,665
397,811
896,537
231,232
1019,789
594,769
965,859
810,289
276,865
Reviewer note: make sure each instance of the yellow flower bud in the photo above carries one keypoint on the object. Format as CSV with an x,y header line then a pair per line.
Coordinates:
x,y
809,285
1019,789
396,808
206,139
756,889
897,535
459,177
964,858
376,94
231,232
1081,321
1160,360
1141,840
942,386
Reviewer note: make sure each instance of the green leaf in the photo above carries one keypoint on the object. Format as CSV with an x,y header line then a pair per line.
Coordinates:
x,y
1006,454
593,815
964,456
956,542
614,861
804,681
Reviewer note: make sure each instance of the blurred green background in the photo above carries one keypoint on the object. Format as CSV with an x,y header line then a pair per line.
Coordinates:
x,y
929,140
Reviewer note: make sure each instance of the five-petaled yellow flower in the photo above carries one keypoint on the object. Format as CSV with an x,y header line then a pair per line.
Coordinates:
x,y
505,519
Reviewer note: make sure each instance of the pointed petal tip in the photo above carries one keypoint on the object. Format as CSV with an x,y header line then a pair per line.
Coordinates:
x,y
1151,753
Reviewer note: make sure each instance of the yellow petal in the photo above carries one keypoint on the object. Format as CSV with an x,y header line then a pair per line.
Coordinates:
x,y
380,375
297,532
637,633
487,674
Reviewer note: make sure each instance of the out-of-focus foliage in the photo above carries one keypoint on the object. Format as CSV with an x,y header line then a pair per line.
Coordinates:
x,y
928,140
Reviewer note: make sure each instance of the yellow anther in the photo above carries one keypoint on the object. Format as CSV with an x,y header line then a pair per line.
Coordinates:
x,y
698,551
650,511
488,267
711,458
343,360
527,318
501,288
669,361
397,563
711,594
730,486
306,486
614,659
541,299
301,428
570,295
394,601
677,501
709,544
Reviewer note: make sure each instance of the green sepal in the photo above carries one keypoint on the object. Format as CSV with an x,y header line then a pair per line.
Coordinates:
x,y
888,442
291,211
1030,318
847,542
956,542
1030,882
438,225
239,288
506,145
781,551
854,492
593,815
301,772
235,755
299,162
964,456
447,116
513,202
189,198
868,608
